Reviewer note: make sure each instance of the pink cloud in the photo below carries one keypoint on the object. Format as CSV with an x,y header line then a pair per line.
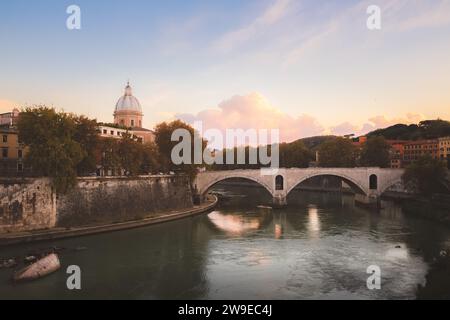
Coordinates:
x,y
253,111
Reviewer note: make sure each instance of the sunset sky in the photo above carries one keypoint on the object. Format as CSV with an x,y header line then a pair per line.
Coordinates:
x,y
307,67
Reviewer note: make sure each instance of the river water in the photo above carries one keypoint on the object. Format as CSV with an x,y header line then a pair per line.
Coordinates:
x,y
318,248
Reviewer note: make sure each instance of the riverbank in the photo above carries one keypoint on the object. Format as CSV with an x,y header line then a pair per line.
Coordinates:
x,y
61,233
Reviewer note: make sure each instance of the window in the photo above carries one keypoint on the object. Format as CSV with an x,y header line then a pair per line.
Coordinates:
x,y
112,132
105,131
132,123
140,124
5,152
5,138
118,133
20,154
279,183
373,182
19,167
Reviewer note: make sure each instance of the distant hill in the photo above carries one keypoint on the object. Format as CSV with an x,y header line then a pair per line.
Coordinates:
x,y
313,142
429,129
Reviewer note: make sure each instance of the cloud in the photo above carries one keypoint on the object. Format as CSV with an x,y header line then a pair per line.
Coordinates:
x,y
274,13
254,111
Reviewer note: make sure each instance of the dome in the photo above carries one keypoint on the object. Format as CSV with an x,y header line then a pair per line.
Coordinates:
x,y
128,102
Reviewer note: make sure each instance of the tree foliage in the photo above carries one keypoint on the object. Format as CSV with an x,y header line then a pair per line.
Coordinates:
x,y
428,129
163,140
426,176
295,155
337,153
53,147
375,153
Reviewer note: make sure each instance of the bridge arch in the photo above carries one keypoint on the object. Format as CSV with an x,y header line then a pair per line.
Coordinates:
x,y
353,183
204,189
390,184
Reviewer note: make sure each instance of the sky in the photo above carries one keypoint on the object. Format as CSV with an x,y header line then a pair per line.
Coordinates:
x,y
306,67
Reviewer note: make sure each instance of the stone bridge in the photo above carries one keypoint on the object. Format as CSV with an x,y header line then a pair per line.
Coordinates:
x,y
368,183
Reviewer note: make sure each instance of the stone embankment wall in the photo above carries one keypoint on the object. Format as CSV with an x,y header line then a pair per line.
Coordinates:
x,y
32,205
26,204
122,198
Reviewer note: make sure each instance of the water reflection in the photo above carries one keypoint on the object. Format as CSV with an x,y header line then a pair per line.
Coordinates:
x,y
313,222
278,231
242,251
400,253
233,224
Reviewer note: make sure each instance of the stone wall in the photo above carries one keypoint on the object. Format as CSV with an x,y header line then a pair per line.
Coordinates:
x,y
120,198
26,204
30,204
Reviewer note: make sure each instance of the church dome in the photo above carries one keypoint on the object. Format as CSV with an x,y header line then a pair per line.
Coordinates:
x,y
128,102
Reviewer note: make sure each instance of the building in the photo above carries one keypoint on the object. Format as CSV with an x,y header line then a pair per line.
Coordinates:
x,y
444,150
396,153
128,112
416,149
9,118
128,118
109,131
359,141
12,152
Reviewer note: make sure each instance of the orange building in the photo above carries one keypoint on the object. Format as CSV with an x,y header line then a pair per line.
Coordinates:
x,y
396,154
417,149
444,150
12,153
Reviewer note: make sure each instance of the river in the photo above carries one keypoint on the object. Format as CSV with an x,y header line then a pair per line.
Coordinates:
x,y
318,248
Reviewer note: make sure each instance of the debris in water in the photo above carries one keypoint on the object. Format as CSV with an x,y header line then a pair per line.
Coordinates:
x,y
30,259
8,263
39,269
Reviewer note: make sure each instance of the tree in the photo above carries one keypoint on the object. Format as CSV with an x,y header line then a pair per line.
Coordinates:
x,y
86,134
294,155
163,139
375,153
337,153
53,152
108,154
426,175
151,162
131,155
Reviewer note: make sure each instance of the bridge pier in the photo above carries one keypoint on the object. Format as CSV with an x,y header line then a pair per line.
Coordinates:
x,y
279,201
372,201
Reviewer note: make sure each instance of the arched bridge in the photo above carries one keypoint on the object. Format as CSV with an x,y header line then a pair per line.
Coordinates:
x,y
368,183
